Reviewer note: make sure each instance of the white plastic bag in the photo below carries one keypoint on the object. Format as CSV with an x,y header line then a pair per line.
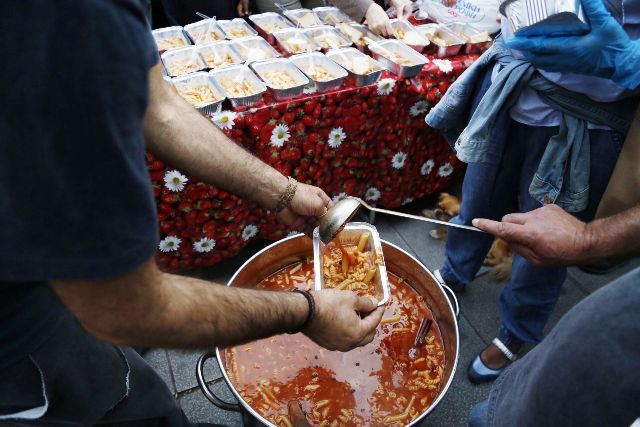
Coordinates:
x,y
481,13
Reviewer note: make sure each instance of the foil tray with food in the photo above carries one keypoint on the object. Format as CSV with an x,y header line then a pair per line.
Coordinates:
x,y
398,58
545,17
327,37
284,79
294,41
352,261
240,85
170,38
201,91
408,34
303,18
205,31
363,70
322,71
182,61
254,49
444,42
332,15
219,54
359,34
268,22
476,41
237,28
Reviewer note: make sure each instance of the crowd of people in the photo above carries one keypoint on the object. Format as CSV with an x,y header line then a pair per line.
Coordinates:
x,y
540,120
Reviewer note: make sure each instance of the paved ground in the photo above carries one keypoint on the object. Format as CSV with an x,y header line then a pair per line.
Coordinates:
x,y
478,325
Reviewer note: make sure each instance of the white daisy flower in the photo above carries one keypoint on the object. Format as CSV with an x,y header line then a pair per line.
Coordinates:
x,y
419,108
427,167
385,86
204,245
309,89
169,244
398,159
443,65
336,137
445,170
280,135
339,197
293,233
372,194
249,231
407,201
174,180
224,119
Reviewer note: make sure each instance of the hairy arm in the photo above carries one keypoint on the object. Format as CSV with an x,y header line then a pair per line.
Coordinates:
x,y
550,236
177,133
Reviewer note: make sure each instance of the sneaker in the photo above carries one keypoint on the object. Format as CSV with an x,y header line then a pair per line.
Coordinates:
x,y
454,285
478,372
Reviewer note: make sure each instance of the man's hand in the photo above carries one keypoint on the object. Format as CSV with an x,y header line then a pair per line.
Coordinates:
x,y
403,8
243,8
338,325
546,237
378,21
606,51
307,205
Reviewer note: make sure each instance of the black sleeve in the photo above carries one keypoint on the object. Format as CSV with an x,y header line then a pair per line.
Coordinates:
x,y
75,195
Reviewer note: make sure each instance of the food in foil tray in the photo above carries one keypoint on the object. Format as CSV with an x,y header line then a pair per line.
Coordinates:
x,y
269,27
170,43
411,37
238,32
197,95
279,79
306,20
318,73
335,19
297,45
178,67
441,41
362,65
355,35
238,87
480,37
399,58
328,40
215,58
201,37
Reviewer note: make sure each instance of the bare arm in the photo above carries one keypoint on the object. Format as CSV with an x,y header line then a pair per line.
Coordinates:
x,y
149,308
550,236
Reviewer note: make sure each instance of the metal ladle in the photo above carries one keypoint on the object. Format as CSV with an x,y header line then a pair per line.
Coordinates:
x,y
334,220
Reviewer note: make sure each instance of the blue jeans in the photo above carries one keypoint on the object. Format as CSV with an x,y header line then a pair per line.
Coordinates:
x,y
492,190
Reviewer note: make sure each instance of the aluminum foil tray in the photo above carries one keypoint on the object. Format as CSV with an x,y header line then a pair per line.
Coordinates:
x,y
350,236
385,52
344,56
164,36
306,60
402,26
303,18
237,28
282,37
365,37
476,41
254,49
184,56
545,17
206,31
243,72
283,65
201,78
332,15
267,23
324,31
214,54
444,43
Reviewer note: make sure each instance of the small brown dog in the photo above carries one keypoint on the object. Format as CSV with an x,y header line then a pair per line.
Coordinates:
x,y
500,255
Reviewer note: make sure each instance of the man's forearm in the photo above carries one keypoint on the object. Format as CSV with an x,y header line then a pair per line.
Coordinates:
x,y
615,236
177,133
164,310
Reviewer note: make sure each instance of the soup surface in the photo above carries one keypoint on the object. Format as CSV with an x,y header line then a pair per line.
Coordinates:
x,y
387,382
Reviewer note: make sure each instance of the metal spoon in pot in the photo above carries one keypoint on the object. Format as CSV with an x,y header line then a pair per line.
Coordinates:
x,y
334,220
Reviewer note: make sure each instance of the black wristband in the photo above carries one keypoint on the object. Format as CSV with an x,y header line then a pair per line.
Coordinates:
x,y
312,310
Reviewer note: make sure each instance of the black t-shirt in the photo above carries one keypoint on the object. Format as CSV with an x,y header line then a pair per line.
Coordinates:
x,y
75,196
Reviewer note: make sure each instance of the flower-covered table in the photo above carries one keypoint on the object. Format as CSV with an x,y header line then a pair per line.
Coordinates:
x,y
370,142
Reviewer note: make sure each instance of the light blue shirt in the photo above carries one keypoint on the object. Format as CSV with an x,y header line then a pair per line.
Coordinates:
x,y
531,110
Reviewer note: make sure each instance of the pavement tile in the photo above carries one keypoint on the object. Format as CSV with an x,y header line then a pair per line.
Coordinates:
x,y
183,366
157,358
199,410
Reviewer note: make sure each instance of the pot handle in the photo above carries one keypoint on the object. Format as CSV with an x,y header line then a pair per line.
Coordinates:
x,y
208,393
453,298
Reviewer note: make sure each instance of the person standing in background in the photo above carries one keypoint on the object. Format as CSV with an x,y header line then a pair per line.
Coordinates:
x,y
167,13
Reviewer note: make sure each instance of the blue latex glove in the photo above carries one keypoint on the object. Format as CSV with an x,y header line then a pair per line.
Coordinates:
x,y
606,51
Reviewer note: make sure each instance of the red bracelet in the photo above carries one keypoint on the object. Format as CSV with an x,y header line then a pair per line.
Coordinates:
x,y
312,310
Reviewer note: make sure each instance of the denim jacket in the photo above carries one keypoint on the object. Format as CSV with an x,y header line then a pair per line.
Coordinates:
x,y
563,173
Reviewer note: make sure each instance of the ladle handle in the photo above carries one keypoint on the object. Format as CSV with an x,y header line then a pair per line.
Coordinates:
x,y
420,218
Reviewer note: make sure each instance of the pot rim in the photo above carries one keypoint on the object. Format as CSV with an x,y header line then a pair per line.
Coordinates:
x,y
435,403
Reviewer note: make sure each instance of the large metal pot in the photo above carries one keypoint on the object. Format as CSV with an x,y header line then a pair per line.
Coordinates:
x,y
296,248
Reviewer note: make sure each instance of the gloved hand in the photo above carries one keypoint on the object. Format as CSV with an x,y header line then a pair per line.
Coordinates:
x,y
378,21
403,8
606,51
